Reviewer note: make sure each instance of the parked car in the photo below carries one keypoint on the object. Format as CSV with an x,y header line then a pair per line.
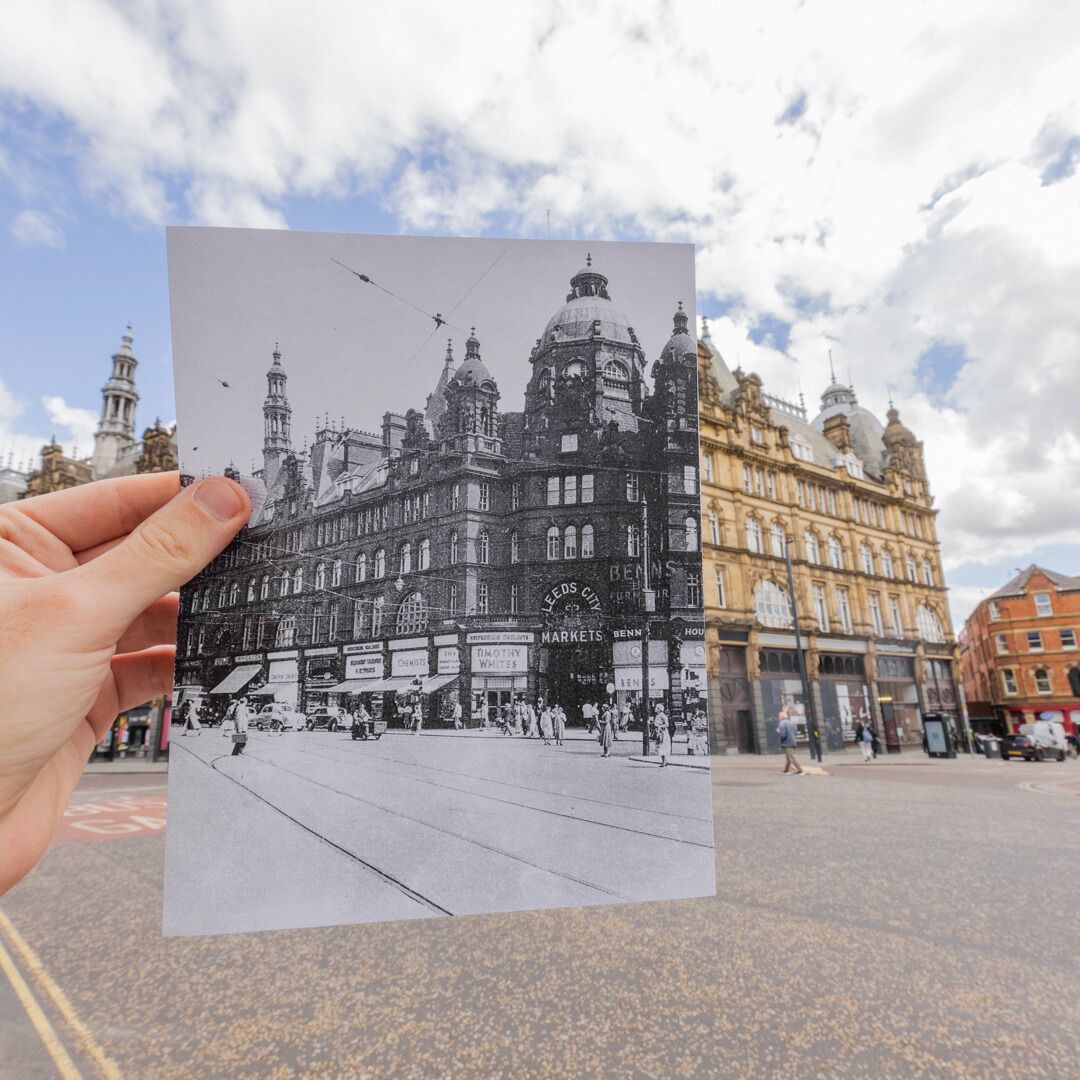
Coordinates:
x,y
325,717
278,717
1027,746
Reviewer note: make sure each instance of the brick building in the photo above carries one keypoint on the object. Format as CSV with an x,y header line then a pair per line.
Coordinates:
x,y
1017,648
851,496
466,552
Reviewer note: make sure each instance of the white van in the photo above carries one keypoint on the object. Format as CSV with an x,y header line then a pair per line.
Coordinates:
x,y
1048,735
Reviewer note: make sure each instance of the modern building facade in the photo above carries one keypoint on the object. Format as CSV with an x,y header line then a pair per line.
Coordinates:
x,y
851,497
467,553
1017,649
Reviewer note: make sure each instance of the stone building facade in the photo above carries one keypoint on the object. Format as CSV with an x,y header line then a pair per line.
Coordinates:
x,y
1017,650
852,497
468,553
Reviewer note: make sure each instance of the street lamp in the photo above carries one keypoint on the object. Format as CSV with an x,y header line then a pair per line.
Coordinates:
x,y
811,716
648,606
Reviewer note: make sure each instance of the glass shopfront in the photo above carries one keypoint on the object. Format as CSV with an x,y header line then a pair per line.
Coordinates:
x,y
781,690
845,697
899,701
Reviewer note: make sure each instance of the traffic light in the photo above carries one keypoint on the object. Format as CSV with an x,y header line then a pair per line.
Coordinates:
x,y
1074,681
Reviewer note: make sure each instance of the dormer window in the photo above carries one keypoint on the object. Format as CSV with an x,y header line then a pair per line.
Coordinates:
x,y
756,434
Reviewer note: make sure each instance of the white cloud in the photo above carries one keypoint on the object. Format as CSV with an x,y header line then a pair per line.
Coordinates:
x,y
77,423
920,193
36,227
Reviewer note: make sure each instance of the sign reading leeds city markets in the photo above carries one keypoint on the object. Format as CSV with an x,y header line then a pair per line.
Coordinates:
x,y
414,673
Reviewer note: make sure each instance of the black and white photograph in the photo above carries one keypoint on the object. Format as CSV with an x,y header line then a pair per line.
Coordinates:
x,y
455,662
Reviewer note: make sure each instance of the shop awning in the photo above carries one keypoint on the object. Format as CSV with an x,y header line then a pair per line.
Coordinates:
x,y
435,682
237,679
353,686
398,682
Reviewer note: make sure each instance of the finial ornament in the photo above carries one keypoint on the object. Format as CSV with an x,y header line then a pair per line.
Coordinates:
x,y
832,370
588,258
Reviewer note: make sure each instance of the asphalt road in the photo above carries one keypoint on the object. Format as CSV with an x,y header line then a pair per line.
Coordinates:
x,y
900,919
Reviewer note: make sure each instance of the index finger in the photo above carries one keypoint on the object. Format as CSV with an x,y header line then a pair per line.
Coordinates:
x,y
83,517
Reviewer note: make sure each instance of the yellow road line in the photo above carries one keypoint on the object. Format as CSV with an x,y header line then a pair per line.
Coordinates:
x,y
87,1043
64,1065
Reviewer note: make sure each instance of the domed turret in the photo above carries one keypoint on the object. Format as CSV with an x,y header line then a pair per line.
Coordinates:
x,y
681,343
896,434
473,371
588,312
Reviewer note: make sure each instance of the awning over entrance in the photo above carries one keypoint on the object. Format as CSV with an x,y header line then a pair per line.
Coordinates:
x,y
353,686
237,679
435,682
398,682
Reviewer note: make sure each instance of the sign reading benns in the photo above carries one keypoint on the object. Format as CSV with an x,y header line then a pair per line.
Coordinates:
x,y
570,598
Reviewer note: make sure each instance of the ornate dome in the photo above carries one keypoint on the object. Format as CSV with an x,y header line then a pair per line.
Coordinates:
x,y
682,342
473,371
587,304
895,433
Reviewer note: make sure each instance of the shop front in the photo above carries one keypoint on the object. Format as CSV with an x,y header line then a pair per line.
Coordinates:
x,y
730,715
626,660
322,672
444,687
283,677
498,672
362,669
781,691
898,697
845,697
940,691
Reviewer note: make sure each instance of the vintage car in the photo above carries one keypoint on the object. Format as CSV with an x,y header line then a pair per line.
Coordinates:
x,y
276,716
327,717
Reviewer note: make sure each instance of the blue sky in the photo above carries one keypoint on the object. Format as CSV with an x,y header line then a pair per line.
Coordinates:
x,y
896,185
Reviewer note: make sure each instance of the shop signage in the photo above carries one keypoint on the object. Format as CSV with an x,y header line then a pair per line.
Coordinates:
x,y
364,647
691,631
571,637
332,651
322,669
884,646
283,671
445,639
628,653
408,643
570,598
409,663
500,659
254,658
629,678
691,655
449,660
502,638
285,655
363,666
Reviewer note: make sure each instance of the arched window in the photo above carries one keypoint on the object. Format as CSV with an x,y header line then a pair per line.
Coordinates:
x,y
483,547
376,616
614,369
405,558
423,555
234,592
633,541
1042,681
813,549
886,562
930,629
575,369
298,580
320,576
714,526
379,568
264,587
909,565
772,605
691,528
927,572
753,535
412,614
553,542
453,548
335,574
286,632
836,554
777,538
515,554
283,583
586,541
361,567
222,593
570,542
251,590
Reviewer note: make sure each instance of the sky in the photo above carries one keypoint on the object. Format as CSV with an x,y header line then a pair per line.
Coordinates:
x,y
895,183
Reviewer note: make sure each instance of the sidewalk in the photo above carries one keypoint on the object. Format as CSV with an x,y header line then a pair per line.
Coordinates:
x,y
132,766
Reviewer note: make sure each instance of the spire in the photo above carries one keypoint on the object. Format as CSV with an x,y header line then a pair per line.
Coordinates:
x,y
682,323
832,370
705,335
472,345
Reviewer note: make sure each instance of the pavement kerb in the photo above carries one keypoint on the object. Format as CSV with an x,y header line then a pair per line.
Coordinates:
x,y
680,763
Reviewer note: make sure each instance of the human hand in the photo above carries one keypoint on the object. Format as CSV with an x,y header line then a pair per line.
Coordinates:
x,y
88,628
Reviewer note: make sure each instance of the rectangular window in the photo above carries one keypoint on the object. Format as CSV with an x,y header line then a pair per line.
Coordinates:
x,y
485,495
569,490
894,615
832,502
569,442
427,503
1042,681
747,480
689,479
995,611
821,610
800,493
553,491
633,487
875,615
693,589
810,498
454,498
1008,680
1068,639
515,495
1034,641
1042,604
587,488
482,590
759,482
721,593
843,609
1001,644
514,598
707,468
451,600
770,484
755,433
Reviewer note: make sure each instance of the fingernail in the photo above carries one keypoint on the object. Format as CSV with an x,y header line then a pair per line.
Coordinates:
x,y
219,498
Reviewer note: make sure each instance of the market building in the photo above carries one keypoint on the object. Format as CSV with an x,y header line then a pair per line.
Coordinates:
x,y
1018,648
852,498
467,553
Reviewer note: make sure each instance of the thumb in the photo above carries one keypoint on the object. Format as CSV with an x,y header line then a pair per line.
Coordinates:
x,y
160,554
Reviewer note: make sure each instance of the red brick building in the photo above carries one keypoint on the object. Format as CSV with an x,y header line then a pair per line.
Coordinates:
x,y
1016,650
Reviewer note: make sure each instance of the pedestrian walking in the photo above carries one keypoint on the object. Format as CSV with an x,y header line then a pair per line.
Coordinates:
x,y
546,726
606,724
866,743
875,741
698,739
587,716
417,718
624,716
190,717
533,721
456,716
663,735
560,726
240,719
785,731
